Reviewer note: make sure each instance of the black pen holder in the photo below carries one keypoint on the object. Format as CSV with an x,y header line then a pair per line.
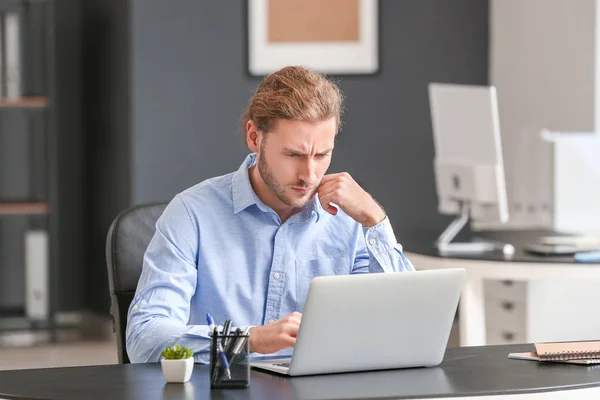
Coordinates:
x,y
235,350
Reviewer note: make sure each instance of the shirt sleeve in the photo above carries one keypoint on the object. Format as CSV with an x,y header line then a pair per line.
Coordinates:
x,y
160,309
378,251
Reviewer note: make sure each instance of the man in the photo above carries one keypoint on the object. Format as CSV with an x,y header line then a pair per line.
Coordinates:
x,y
246,245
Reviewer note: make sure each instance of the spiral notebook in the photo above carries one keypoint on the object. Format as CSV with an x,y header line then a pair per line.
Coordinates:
x,y
586,353
567,350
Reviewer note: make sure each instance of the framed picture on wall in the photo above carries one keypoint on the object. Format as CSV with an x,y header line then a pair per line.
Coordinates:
x,y
329,36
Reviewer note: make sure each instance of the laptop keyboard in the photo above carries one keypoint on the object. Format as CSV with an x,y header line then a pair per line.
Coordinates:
x,y
283,364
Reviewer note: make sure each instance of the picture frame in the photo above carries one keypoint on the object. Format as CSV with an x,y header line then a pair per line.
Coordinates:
x,y
338,37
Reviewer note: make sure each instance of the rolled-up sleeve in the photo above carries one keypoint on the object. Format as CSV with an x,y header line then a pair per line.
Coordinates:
x,y
379,251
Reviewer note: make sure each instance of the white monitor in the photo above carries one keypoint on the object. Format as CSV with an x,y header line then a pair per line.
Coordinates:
x,y
468,165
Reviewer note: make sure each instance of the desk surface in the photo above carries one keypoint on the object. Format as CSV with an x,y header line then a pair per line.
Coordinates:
x,y
465,371
422,242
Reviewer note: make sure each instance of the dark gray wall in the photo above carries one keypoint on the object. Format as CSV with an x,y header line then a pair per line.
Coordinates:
x,y
189,87
186,83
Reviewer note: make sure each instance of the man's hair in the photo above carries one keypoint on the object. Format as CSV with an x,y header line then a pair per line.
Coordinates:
x,y
293,93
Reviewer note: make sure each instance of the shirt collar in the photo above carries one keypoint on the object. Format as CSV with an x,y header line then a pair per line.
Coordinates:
x,y
244,195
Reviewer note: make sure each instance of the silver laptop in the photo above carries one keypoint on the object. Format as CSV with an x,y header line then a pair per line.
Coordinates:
x,y
373,321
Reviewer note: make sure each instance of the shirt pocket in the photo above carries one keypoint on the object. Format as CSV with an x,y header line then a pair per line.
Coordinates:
x,y
306,270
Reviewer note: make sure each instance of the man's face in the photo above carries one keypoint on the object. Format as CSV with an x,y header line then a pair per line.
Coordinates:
x,y
293,158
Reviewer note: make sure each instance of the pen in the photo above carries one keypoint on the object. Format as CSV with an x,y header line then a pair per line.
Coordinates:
x,y
213,356
231,343
240,343
211,322
587,256
217,372
226,329
223,359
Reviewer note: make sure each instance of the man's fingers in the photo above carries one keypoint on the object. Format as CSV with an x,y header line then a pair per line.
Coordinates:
x,y
289,329
294,319
326,198
330,177
331,209
277,335
297,317
333,184
288,341
341,188
325,203
327,188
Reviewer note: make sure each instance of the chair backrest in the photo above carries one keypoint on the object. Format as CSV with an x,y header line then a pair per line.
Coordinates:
x,y
127,240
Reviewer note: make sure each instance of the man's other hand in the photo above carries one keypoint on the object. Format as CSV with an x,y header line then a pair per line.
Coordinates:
x,y
342,190
275,336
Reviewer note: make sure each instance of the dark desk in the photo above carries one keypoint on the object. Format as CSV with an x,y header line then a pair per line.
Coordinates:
x,y
547,276
422,242
470,371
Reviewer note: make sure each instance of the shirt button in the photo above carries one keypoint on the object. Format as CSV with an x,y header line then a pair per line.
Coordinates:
x,y
372,241
276,275
135,308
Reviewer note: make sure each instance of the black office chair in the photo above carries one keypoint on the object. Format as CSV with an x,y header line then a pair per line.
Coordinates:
x,y
126,242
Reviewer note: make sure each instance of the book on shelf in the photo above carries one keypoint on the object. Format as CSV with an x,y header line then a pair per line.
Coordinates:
x,y
12,47
10,54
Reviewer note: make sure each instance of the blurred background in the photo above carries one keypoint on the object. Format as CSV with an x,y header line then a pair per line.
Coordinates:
x,y
111,103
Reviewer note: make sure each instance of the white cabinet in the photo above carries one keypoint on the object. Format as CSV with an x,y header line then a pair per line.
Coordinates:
x,y
507,302
541,311
505,311
576,183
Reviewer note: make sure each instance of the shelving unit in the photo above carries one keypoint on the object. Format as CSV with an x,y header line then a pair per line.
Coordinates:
x,y
24,102
24,208
35,101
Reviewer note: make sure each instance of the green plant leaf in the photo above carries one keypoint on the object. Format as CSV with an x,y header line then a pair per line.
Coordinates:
x,y
177,352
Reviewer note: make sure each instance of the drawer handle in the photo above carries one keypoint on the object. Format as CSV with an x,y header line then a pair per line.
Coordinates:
x,y
508,306
508,283
509,336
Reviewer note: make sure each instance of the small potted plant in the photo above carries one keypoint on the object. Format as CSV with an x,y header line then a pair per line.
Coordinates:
x,y
177,363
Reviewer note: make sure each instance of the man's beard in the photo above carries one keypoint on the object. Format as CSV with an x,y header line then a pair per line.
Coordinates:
x,y
265,172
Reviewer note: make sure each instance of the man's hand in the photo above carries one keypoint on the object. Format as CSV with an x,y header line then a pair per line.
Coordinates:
x,y
342,190
275,336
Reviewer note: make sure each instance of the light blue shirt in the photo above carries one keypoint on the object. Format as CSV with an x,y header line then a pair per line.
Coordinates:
x,y
219,249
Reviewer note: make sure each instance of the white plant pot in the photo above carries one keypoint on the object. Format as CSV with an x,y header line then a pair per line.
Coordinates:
x,y
177,371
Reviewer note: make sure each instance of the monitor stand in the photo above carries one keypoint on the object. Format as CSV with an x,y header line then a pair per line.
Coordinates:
x,y
444,241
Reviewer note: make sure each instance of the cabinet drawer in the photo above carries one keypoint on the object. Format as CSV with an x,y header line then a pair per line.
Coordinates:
x,y
505,336
507,289
505,313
